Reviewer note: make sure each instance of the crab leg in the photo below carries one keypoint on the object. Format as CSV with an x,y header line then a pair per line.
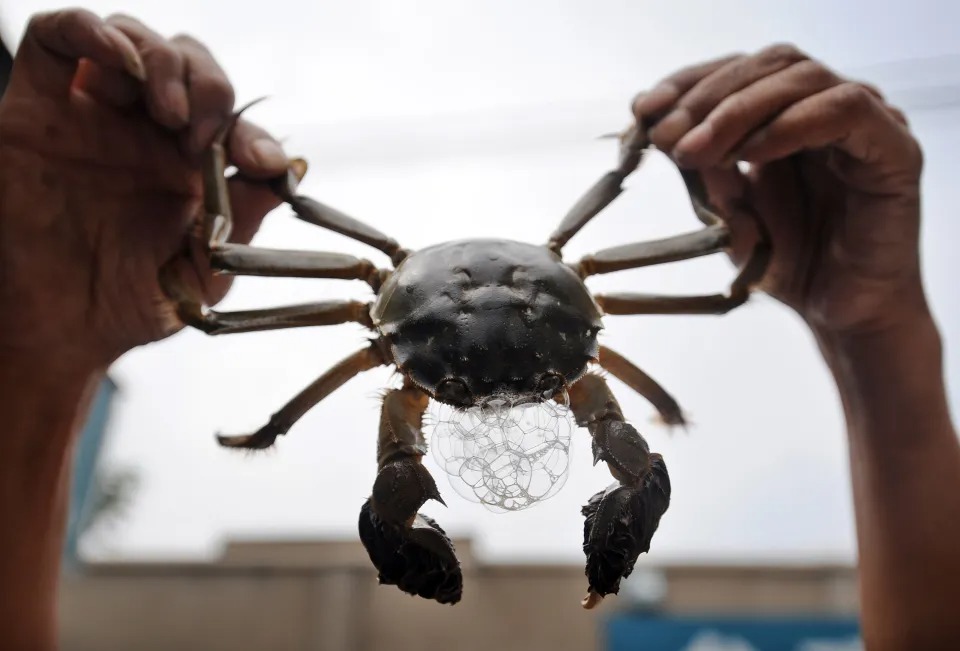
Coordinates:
x,y
281,422
739,292
242,260
621,520
314,212
409,549
293,316
603,191
642,254
635,378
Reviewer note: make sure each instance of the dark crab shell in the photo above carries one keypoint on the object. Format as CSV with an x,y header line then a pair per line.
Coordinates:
x,y
474,318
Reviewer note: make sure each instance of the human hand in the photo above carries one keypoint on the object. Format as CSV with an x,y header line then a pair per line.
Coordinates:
x,y
833,177
101,130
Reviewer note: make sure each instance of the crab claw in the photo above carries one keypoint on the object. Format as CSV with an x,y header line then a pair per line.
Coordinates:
x,y
620,523
409,549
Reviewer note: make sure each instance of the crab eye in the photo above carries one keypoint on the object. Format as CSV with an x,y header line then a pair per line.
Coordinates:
x,y
549,384
454,392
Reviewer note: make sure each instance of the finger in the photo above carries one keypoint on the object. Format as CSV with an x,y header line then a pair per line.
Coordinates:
x,y
727,190
897,114
166,93
54,43
210,92
106,85
252,200
713,140
255,152
711,90
847,116
649,106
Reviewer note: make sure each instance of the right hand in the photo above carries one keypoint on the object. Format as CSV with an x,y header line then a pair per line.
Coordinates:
x,y
834,177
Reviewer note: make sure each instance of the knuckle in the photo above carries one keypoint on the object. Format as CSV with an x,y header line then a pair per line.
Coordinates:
x,y
120,18
816,73
213,90
731,109
782,53
162,55
189,42
851,97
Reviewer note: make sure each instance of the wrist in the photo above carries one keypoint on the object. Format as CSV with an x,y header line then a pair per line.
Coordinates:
x,y
44,396
890,378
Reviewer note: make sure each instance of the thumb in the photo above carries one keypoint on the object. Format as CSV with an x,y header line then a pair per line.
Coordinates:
x,y
726,192
253,199
258,158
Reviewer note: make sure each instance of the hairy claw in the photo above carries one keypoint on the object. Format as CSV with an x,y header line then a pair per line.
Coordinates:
x,y
620,523
419,559
262,439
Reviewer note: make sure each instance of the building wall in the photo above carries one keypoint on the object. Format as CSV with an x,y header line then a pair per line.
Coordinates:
x,y
309,597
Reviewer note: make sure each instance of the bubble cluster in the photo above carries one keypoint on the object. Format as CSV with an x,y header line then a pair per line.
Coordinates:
x,y
507,453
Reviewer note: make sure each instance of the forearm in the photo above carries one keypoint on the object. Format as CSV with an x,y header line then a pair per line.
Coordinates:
x,y
905,468
43,405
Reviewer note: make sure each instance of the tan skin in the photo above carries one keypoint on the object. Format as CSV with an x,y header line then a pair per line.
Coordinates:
x,y
99,186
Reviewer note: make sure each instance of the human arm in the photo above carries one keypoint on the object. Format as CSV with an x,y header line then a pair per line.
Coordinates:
x,y
101,128
834,179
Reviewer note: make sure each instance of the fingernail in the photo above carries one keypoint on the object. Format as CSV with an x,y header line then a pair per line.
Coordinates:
x,y
695,140
268,154
131,58
299,168
174,98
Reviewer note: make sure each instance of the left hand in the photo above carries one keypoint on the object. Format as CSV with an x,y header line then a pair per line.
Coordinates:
x,y
101,129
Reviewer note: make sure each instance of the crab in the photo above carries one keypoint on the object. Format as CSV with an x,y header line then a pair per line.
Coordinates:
x,y
463,322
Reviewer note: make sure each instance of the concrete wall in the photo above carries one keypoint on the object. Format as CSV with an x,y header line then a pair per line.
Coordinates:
x,y
309,597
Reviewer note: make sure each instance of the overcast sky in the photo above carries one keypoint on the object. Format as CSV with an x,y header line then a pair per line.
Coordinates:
x,y
436,120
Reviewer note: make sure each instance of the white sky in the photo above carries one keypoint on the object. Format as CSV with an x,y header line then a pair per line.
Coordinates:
x,y
435,120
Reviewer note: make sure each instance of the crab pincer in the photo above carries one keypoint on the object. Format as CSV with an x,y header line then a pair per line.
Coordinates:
x,y
408,549
620,523
621,519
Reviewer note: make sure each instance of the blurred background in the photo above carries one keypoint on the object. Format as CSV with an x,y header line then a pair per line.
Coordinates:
x,y
434,120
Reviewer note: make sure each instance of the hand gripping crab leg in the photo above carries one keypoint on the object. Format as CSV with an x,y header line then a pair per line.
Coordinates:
x,y
238,259
621,520
712,239
409,549
281,422
750,274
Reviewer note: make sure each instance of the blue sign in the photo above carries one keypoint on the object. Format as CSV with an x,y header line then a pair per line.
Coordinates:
x,y
664,633
83,491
